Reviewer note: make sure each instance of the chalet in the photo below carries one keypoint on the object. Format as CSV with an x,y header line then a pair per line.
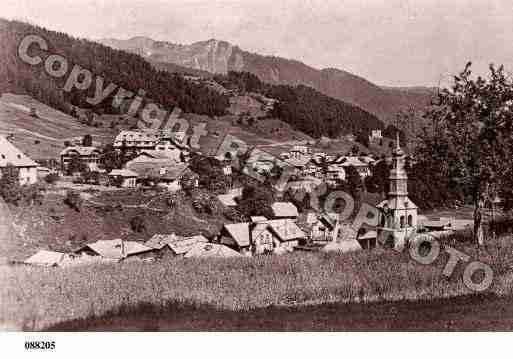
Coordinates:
x,y
262,237
236,236
375,136
136,140
165,173
123,178
319,227
299,152
335,172
10,155
361,167
179,245
115,249
88,155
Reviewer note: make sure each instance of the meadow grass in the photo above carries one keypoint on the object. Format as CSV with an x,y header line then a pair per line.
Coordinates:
x,y
35,298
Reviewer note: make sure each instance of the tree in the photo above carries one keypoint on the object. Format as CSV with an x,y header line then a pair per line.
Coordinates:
x,y
474,120
138,224
87,140
354,182
188,182
51,178
378,181
210,173
73,200
10,188
76,165
256,201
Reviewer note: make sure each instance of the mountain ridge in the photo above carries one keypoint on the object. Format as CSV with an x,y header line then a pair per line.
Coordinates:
x,y
219,56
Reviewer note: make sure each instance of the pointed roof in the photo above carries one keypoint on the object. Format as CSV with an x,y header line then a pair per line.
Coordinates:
x,y
45,258
239,232
10,154
207,250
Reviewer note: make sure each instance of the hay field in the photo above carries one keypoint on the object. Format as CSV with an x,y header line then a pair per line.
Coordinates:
x,y
35,298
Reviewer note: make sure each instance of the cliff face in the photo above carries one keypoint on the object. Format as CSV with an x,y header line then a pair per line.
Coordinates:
x,y
216,56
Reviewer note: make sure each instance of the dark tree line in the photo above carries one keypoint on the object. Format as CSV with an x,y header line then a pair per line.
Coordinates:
x,y
306,109
129,71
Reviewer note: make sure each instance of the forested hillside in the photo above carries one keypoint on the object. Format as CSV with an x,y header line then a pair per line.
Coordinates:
x,y
305,108
124,69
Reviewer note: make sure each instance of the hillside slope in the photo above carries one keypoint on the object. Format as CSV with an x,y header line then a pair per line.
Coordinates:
x,y
43,136
220,57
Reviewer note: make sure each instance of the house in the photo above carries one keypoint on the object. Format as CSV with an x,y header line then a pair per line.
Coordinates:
x,y
375,136
368,239
288,234
284,210
335,172
299,151
42,172
435,225
148,155
88,155
228,199
262,237
307,184
236,236
361,167
136,140
123,178
320,227
10,155
45,258
165,173
115,249
182,245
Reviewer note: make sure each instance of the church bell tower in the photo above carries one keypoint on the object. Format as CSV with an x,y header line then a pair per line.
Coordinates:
x,y
398,213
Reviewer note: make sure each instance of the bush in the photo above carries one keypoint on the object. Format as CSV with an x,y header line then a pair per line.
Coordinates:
x,y
32,194
73,200
138,224
10,188
52,178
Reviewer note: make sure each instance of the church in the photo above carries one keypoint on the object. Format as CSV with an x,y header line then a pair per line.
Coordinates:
x,y
398,214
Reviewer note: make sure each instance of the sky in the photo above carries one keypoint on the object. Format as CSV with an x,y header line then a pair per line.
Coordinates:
x,y
388,42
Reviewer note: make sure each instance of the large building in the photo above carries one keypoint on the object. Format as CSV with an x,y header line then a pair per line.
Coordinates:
x,y
10,155
88,155
137,140
398,220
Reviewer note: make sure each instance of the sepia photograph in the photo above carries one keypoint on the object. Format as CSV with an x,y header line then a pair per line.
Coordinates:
x,y
255,166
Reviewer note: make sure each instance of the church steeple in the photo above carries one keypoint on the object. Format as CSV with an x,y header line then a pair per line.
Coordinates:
x,y
398,177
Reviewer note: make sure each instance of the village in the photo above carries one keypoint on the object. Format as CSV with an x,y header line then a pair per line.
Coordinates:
x,y
163,159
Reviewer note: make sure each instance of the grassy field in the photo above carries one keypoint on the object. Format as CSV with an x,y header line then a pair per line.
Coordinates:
x,y
35,298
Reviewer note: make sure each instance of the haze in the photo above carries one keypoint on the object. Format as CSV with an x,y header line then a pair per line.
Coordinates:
x,y
389,42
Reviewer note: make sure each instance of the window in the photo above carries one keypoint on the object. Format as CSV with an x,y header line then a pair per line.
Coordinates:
x,y
410,220
401,220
